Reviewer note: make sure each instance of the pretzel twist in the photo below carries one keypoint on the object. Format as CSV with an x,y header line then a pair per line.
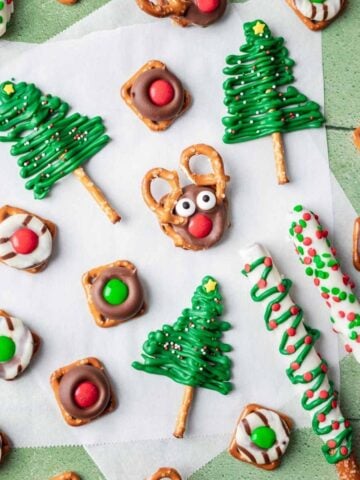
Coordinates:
x,y
163,209
218,179
163,8
165,472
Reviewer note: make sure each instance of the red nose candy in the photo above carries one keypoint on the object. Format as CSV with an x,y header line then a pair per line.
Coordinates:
x,y
161,92
86,395
208,6
24,241
200,225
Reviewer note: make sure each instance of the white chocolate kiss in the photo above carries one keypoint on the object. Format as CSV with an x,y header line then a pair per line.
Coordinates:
x,y
318,11
23,339
5,13
41,253
254,420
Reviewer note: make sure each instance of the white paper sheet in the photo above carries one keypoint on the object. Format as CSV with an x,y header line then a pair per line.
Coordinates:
x,y
88,74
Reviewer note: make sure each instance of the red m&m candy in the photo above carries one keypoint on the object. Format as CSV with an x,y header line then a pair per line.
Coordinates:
x,y
24,241
161,92
200,225
86,395
207,6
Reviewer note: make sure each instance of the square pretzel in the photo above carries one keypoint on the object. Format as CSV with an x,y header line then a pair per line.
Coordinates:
x,y
89,278
8,210
126,95
311,24
66,476
55,380
234,451
5,446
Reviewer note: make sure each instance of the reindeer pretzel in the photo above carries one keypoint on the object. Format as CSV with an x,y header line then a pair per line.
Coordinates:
x,y
181,227
163,8
165,472
66,476
217,179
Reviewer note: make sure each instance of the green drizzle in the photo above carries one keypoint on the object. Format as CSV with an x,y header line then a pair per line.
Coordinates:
x,y
190,352
49,142
340,446
255,106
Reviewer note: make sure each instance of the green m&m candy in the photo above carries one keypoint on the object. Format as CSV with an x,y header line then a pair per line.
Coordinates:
x,y
115,291
7,349
263,437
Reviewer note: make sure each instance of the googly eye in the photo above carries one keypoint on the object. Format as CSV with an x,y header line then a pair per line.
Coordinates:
x,y
206,200
185,207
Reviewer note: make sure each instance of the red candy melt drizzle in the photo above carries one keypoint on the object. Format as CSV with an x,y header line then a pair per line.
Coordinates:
x,y
161,93
24,241
86,395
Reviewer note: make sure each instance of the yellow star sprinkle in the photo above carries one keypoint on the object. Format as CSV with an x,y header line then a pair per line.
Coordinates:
x,y
259,28
9,89
210,286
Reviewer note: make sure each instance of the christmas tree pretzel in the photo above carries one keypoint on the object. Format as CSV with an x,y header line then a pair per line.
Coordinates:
x,y
320,263
50,143
305,368
256,106
191,352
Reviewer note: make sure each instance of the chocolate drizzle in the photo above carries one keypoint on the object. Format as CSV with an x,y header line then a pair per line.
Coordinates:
x,y
72,379
142,101
131,306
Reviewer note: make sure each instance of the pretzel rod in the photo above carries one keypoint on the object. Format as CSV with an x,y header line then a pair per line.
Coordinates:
x,y
181,420
280,161
356,244
306,370
97,195
319,260
166,472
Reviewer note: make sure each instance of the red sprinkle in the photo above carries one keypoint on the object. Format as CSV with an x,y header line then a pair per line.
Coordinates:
x,y
307,260
308,376
290,349
347,424
321,417
351,316
298,229
276,307
331,444
262,283
348,348
334,404
318,234
295,366
268,262
161,92
306,216
323,394
281,288
341,314
207,6
335,425
324,368
336,299
308,340
317,281
328,304
309,393
86,395
312,252
24,241
335,268
291,332
294,310
272,324
307,241
344,451
247,268
325,295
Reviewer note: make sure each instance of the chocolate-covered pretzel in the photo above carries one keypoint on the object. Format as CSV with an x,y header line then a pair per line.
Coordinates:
x,y
194,216
156,95
202,13
125,299
84,392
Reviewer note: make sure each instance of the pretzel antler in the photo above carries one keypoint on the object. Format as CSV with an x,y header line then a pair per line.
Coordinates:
x,y
163,209
165,472
163,8
217,178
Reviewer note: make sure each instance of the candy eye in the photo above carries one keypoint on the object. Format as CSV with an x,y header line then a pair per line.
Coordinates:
x,y
185,207
206,200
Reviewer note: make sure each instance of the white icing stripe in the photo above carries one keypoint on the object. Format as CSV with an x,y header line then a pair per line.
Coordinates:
x,y
318,11
5,13
341,311
250,255
254,421
42,252
24,342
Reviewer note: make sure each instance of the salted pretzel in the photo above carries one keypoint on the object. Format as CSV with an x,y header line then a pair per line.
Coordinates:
x,y
174,224
166,473
66,476
163,8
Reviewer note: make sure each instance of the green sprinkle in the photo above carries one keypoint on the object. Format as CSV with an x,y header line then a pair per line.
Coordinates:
x,y
335,291
332,263
300,237
300,250
298,208
309,271
353,336
343,296
302,223
325,290
351,298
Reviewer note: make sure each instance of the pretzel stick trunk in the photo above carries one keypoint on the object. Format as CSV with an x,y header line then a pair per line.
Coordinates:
x,y
348,469
97,195
280,161
180,426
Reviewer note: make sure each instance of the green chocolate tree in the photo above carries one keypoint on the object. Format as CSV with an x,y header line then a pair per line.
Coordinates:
x,y
191,352
256,106
49,142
